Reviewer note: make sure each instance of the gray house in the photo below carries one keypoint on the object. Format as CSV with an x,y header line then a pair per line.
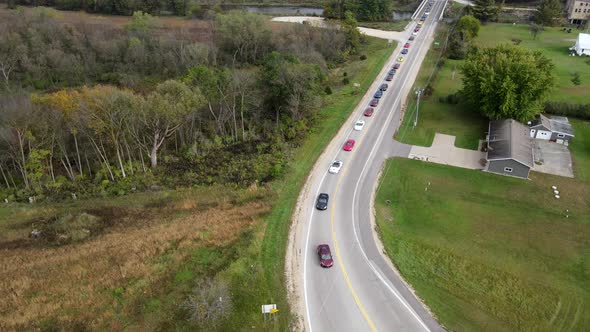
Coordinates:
x,y
509,149
556,129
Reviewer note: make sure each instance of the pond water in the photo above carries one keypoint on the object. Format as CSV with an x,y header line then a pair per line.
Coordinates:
x,y
282,10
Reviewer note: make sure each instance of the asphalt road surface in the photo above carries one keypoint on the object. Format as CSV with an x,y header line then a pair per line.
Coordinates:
x,y
361,292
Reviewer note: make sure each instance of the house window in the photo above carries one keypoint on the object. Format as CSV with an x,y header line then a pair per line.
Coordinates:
x,y
560,135
508,169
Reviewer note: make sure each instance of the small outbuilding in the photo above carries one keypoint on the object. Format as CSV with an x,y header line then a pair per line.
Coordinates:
x,y
509,148
555,129
582,46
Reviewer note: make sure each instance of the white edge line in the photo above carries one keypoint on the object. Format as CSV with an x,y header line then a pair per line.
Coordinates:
x,y
354,229
378,143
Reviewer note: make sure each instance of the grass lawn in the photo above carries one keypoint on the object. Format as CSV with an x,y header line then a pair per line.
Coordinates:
x,y
555,44
466,125
486,252
493,253
398,25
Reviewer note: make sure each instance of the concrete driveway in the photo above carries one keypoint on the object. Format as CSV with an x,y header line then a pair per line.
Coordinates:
x,y
320,22
552,158
443,151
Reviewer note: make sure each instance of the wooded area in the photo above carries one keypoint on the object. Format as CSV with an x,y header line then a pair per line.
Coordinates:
x,y
93,110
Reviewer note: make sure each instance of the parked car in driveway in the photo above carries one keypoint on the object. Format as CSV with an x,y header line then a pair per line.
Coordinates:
x,y
359,125
325,255
384,87
335,167
374,102
378,94
369,111
322,201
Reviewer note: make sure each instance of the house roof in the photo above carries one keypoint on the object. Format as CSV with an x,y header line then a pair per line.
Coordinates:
x,y
509,139
558,124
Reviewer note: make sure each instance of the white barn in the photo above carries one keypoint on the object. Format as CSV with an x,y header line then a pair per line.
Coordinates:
x,y
582,46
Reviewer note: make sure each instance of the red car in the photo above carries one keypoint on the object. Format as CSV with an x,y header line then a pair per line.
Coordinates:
x,y
369,111
374,102
407,45
349,145
396,66
389,78
417,29
325,255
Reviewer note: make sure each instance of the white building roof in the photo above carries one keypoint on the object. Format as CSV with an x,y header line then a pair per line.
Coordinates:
x,y
583,41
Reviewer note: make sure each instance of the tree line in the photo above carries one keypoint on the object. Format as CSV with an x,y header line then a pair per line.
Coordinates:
x,y
229,114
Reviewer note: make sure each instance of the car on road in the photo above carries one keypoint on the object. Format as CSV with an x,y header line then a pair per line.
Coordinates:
x,y
369,111
401,59
411,38
415,33
416,30
384,87
359,125
392,72
420,22
389,78
405,51
349,145
423,18
335,167
322,201
374,102
325,255
396,66
427,13
407,45
378,94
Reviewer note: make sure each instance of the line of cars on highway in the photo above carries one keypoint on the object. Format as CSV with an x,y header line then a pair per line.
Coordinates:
x,y
323,250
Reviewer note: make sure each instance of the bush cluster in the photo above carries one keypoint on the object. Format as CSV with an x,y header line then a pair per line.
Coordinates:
x,y
581,111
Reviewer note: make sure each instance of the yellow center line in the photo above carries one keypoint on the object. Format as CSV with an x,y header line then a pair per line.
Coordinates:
x,y
340,262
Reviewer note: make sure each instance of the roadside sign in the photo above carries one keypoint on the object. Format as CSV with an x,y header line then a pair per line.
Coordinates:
x,y
436,43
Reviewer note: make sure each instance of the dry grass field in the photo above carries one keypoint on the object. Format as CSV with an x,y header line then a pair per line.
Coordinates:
x,y
134,248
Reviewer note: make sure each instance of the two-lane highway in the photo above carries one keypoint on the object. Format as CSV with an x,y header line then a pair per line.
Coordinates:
x,y
362,292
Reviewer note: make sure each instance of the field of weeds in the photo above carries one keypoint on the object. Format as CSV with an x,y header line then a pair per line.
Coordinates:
x,y
99,264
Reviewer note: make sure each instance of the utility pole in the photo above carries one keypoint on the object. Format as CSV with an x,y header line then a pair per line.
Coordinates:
x,y
418,93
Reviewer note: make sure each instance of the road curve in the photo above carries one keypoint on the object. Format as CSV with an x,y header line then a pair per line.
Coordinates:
x,y
362,291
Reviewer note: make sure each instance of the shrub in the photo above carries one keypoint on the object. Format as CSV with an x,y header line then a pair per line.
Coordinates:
x,y
328,90
581,111
345,81
363,57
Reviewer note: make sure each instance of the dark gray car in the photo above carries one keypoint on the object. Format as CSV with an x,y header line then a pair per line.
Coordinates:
x,y
322,202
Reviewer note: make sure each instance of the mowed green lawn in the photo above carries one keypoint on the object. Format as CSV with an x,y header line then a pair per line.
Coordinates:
x,y
492,253
466,124
555,44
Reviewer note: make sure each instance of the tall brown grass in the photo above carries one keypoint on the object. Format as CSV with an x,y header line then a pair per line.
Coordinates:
x,y
75,283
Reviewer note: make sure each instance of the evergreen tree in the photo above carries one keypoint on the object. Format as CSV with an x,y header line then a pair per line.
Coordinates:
x,y
486,10
548,13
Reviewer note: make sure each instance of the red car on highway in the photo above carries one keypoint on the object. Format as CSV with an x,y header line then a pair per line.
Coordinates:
x,y
374,102
407,45
325,255
349,145
396,66
369,111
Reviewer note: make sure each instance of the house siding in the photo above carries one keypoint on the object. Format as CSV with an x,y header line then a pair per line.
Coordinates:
x,y
518,169
555,138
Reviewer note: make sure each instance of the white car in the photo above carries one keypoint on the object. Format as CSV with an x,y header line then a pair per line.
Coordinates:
x,y
359,125
427,13
414,33
335,167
